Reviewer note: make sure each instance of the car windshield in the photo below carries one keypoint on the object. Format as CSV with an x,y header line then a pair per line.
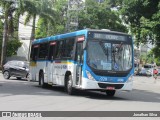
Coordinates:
x,y
109,56
147,66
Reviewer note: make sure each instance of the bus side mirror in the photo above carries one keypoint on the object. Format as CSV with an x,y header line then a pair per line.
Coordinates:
x,y
84,44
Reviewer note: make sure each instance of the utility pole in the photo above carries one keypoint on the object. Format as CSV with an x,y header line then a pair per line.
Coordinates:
x,y
74,6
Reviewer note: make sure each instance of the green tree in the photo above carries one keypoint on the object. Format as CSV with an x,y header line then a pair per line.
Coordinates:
x,y
40,8
100,16
12,45
138,15
46,27
1,36
10,11
41,31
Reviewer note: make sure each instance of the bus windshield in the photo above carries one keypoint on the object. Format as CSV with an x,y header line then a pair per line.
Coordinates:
x,y
110,56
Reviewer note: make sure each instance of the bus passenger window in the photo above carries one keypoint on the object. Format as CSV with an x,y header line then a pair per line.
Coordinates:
x,y
35,53
43,51
58,49
51,52
31,55
69,48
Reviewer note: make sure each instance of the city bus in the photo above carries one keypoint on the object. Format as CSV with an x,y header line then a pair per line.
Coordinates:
x,y
87,59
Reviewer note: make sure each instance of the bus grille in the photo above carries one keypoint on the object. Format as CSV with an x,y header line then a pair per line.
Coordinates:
x,y
104,85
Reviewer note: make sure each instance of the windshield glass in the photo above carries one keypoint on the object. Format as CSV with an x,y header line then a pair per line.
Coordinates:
x,y
147,66
103,55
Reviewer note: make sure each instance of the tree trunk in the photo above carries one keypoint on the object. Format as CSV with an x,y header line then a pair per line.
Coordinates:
x,y
4,43
32,35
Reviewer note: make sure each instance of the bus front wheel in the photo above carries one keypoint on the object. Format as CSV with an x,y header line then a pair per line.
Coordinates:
x,y
69,85
110,93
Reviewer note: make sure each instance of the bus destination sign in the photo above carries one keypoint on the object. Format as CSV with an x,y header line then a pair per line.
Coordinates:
x,y
109,37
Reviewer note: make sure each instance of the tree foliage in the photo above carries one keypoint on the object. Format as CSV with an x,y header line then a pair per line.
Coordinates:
x,y
46,27
100,16
143,18
12,45
9,12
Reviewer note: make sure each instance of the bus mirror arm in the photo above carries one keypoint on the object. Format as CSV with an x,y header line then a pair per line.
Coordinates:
x,y
84,44
52,58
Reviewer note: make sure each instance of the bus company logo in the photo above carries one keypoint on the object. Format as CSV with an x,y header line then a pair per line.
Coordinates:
x,y
64,66
120,80
61,67
103,79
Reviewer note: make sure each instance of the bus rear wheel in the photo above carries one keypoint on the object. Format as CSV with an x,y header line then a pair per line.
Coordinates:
x,y
110,93
69,85
41,80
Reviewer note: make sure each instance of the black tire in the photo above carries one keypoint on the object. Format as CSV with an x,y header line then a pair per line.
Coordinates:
x,y
28,77
18,78
6,74
110,93
41,80
69,85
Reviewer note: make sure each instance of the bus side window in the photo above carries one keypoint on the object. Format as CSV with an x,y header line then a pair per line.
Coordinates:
x,y
31,54
58,46
69,51
60,49
52,51
35,53
43,51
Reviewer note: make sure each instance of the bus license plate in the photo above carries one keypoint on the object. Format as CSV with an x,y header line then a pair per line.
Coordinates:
x,y
110,88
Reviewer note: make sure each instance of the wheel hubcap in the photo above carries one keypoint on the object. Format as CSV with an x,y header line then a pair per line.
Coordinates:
x,y
6,74
41,80
69,85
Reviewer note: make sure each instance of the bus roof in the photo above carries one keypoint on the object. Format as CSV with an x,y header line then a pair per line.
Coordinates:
x,y
61,36
72,34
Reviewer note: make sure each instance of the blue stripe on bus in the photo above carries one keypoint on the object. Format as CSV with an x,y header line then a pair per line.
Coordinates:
x,y
62,36
106,78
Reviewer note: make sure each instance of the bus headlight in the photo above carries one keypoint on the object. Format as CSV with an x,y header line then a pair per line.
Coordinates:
x,y
89,75
130,79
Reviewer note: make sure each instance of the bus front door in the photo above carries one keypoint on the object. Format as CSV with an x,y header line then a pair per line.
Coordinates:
x,y
79,59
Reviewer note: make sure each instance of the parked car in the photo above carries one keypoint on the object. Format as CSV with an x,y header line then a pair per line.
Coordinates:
x,y
18,69
145,72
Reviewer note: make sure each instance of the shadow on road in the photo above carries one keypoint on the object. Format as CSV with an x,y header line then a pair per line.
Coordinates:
x,y
135,95
17,87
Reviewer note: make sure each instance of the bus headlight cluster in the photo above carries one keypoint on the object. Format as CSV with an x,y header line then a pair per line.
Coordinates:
x,y
89,75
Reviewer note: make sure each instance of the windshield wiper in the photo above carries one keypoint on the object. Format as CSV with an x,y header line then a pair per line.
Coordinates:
x,y
104,49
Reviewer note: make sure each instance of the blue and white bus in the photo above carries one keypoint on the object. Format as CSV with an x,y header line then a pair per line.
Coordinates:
x,y
86,59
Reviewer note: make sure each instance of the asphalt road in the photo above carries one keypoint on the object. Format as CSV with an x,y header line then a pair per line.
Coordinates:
x,y
21,95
